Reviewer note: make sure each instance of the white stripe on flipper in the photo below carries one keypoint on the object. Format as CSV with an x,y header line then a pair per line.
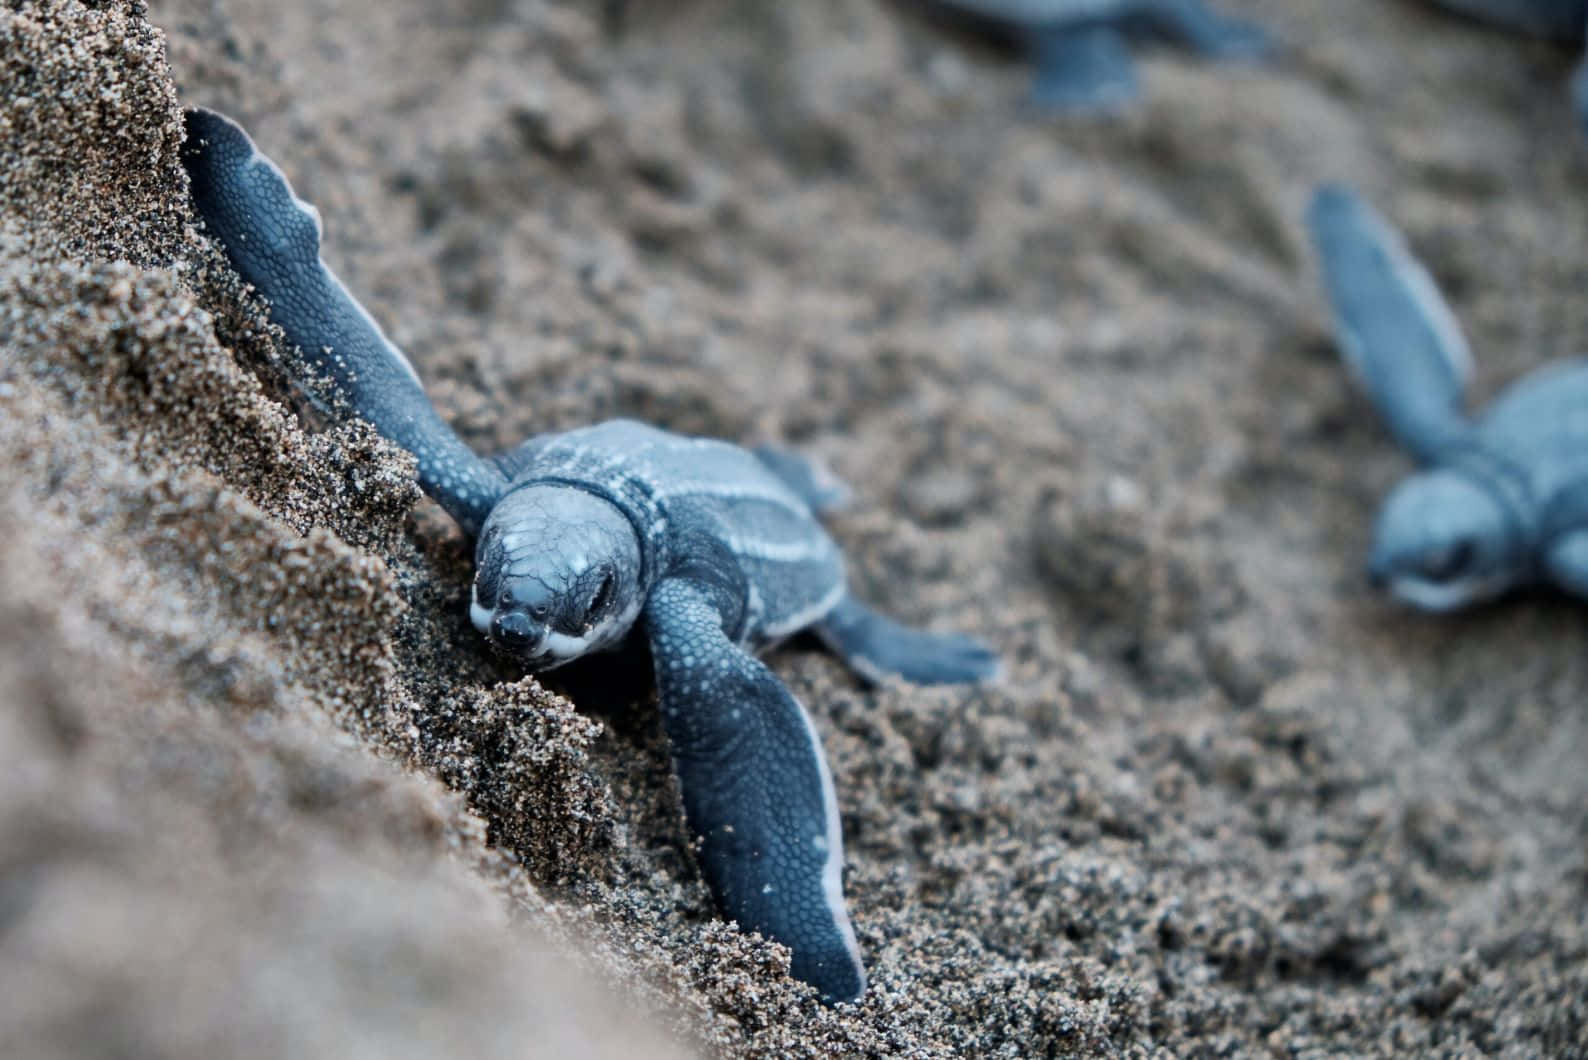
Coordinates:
x,y
392,351
833,839
259,158
1436,311
1420,288
858,663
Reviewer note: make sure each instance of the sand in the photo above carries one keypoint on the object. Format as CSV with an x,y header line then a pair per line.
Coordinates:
x,y
263,792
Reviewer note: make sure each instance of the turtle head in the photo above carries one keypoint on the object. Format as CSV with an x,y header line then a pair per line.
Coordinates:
x,y
557,575
1444,541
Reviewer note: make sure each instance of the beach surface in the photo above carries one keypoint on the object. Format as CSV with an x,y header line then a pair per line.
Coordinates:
x,y
265,792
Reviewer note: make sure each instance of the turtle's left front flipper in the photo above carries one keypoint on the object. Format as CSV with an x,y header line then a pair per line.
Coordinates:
x,y
272,238
1395,331
757,793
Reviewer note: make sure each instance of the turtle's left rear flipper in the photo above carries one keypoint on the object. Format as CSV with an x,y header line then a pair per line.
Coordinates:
x,y
1393,328
272,238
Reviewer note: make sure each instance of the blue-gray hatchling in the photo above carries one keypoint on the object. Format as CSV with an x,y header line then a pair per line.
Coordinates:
x,y
1565,20
1081,48
712,551
1501,500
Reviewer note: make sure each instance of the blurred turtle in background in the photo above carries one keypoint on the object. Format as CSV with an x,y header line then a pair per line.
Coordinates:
x,y
1563,20
1082,47
1501,500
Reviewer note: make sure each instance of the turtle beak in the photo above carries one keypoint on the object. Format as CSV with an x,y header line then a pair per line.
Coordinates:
x,y
516,634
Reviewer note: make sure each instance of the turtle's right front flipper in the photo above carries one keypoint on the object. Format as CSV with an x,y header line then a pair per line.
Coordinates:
x,y
272,238
1396,332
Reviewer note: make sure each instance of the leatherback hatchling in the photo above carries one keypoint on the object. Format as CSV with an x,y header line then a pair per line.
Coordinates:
x,y
1562,20
712,550
1081,49
1502,500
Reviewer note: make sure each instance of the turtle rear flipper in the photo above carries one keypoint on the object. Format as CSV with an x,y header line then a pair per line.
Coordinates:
x,y
1394,330
876,647
272,238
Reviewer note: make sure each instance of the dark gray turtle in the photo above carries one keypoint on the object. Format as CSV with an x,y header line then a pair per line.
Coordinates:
x,y
1560,19
1502,500
1080,46
1564,20
713,550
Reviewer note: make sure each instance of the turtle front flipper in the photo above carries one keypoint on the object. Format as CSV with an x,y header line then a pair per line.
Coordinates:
x,y
1086,67
272,238
1393,328
875,647
756,789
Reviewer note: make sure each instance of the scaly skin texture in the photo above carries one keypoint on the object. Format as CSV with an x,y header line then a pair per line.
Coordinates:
x,y
756,788
584,535
1502,501
272,239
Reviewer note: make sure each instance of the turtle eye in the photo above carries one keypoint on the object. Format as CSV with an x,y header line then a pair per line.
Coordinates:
x,y
1450,562
603,594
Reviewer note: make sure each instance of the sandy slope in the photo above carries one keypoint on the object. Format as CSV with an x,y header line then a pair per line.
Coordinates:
x,y
262,791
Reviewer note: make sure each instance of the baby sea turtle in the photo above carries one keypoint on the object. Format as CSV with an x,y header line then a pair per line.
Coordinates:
x,y
1563,20
1080,46
1502,500
712,550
